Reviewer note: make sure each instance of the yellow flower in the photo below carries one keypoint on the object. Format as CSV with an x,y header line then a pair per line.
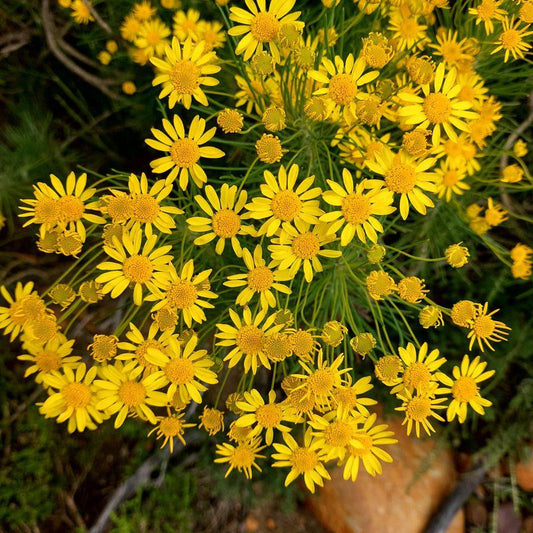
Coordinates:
x,y
377,51
264,416
440,108
341,81
104,57
152,37
349,396
486,12
358,207
186,293
62,207
365,448
223,221
80,12
247,338
183,71
301,246
464,388
269,149
457,255
407,33
512,39
62,295
241,457
484,329
495,214
380,284
212,420
25,306
128,87
124,392
284,202
260,26
134,263
430,316
73,397
412,289
184,151
230,121
363,343
512,174
306,460
388,369
212,33
50,357
406,177
419,368
419,409
130,28
449,180
170,427
187,24
183,369
90,292
143,10
260,279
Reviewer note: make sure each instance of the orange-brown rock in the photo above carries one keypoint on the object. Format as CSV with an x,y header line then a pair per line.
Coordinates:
x,y
524,474
401,500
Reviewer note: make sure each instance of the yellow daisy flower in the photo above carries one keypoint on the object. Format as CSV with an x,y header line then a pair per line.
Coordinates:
x,y
187,24
486,12
419,409
464,388
306,460
182,72
341,80
184,151
512,39
223,221
183,369
484,329
73,397
407,33
264,416
407,177
349,396
284,202
365,449
24,306
358,207
212,420
143,10
260,279
440,108
80,12
247,338
62,207
123,391
186,293
212,33
260,26
419,369
152,37
130,28
449,180
170,427
134,264
50,357
301,246
242,457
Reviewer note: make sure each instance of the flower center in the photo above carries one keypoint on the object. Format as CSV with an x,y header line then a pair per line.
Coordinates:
x,y
465,389
48,360
170,426
250,339
306,245
302,343
132,393
483,326
43,328
366,442
185,153
400,178
278,347
450,178
104,347
29,307
286,205
338,434
243,456
226,223
321,382
119,208
153,38
437,108
347,397
388,368
342,89
269,415
71,208
462,312
77,395
264,27
180,371
419,408
304,460
46,211
260,279
145,208
486,9
510,39
356,209
185,76
408,28
182,294
138,268
417,376
142,350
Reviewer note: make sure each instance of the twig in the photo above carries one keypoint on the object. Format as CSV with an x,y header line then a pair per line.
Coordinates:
x,y
441,521
49,30
12,41
74,53
98,19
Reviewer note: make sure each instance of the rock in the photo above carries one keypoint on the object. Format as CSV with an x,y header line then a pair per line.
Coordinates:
x,y
524,474
401,499
476,513
508,520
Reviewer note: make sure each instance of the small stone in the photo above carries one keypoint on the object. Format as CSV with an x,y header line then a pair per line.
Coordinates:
x,y
251,525
524,474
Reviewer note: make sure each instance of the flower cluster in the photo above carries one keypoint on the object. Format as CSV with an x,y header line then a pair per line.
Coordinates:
x,y
271,261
